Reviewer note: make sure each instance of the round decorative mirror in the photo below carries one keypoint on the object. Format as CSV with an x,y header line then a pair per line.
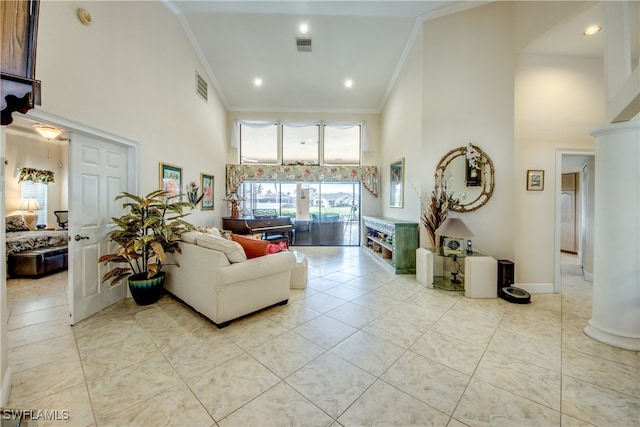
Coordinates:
x,y
466,175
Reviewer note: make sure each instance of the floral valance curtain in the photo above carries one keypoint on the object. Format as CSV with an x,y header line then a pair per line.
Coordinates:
x,y
367,175
235,129
36,175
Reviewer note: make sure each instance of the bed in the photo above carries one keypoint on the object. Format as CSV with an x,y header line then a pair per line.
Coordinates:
x,y
21,241
34,253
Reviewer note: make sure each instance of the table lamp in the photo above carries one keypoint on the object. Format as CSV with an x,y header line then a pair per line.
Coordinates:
x,y
234,198
30,204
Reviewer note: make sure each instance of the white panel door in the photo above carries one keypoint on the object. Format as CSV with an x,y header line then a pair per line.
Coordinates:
x,y
98,171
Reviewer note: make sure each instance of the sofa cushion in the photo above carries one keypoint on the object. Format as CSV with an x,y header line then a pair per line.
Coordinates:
x,y
190,236
15,223
232,250
253,248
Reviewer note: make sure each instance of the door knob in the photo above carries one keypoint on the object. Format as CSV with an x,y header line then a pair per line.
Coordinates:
x,y
79,237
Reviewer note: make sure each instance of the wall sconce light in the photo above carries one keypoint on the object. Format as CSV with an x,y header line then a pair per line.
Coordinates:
x,y
30,204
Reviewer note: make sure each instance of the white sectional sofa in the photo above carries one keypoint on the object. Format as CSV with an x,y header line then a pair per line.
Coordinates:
x,y
223,291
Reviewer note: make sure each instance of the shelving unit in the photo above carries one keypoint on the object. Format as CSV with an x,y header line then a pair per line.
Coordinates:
x,y
393,240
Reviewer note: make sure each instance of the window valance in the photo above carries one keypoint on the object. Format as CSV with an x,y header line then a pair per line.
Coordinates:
x,y
235,129
36,175
367,175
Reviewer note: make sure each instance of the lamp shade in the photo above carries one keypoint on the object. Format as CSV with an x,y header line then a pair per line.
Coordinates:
x,y
233,197
30,204
454,227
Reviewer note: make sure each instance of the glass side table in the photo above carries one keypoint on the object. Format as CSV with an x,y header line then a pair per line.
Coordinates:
x,y
447,270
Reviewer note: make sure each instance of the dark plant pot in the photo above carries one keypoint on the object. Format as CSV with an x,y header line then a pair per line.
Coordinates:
x,y
146,291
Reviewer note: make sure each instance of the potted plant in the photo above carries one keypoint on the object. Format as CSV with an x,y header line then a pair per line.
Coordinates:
x,y
150,230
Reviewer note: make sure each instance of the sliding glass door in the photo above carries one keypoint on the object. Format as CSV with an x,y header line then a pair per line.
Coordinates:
x,y
323,214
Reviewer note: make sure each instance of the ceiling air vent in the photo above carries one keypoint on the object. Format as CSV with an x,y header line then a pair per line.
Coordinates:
x,y
303,44
202,88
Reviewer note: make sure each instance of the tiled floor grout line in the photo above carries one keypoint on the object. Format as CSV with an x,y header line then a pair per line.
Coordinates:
x,y
566,293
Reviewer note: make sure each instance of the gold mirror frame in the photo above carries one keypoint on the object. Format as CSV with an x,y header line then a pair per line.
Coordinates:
x,y
480,190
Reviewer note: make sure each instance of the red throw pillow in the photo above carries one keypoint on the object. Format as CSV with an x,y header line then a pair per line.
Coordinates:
x,y
253,248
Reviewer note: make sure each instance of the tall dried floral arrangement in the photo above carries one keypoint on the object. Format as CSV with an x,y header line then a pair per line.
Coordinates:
x,y
435,212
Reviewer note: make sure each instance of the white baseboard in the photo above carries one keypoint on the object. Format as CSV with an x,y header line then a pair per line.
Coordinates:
x,y
536,288
588,277
6,388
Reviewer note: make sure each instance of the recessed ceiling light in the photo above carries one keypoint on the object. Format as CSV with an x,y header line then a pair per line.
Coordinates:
x,y
348,83
592,29
304,28
257,81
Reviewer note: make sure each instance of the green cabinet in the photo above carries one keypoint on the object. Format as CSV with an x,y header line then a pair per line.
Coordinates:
x,y
393,240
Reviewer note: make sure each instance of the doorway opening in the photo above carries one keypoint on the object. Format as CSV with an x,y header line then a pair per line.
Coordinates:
x,y
574,242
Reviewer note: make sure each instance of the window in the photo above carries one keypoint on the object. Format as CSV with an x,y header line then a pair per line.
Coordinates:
x,y
341,146
259,144
39,191
286,144
300,145
324,214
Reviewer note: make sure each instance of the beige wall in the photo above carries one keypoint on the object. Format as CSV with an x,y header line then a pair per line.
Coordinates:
x,y
478,85
558,100
132,73
468,72
401,131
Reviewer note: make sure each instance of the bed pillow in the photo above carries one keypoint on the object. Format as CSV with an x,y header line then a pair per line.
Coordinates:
x,y
232,250
253,248
15,223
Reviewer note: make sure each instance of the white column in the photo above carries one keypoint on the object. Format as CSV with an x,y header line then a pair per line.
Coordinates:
x,y
616,280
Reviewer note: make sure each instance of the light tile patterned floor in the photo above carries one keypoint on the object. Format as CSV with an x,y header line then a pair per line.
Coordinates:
x,y
359,346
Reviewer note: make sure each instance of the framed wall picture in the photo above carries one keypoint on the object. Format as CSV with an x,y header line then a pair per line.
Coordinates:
x,y
206,183
396,184
171,179
535,180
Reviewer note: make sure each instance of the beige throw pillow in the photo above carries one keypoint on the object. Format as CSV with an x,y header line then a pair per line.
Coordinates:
x,y
190,236
232,250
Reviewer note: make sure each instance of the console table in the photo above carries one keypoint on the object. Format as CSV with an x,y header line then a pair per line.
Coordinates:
x,y
393,240
478,273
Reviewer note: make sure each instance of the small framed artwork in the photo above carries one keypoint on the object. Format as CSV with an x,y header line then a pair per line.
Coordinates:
x,y
396,184
206,182
170,179
535,180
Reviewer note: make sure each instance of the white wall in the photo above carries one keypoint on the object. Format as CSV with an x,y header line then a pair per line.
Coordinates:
x,y
132,73
467,97
477,86
558,100
401,136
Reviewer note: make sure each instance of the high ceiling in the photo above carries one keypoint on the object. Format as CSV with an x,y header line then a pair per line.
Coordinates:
x,y
365,41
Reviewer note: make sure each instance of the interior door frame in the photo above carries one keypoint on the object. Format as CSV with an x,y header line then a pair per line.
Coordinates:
x,y
72,126
557,274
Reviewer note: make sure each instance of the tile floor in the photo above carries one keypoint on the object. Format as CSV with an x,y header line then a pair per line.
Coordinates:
x,y
359,346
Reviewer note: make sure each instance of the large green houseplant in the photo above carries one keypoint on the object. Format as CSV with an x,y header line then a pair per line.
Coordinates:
x,y
149,230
